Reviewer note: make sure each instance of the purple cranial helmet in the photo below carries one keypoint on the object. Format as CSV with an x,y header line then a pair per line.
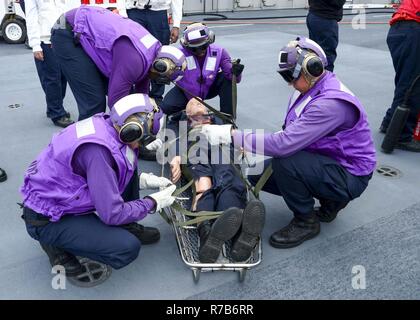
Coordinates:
x,y
299,55
136,117
197,35
169,64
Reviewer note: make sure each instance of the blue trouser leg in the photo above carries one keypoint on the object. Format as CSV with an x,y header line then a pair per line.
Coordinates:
x,y
52,81
222,87
228,190
304,176
207,201
87,236
88,84
174,101
156,22
325,33
404,45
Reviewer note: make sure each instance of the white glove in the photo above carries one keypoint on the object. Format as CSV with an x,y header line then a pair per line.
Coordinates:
x,y
150,181
163,198
217,134
155,145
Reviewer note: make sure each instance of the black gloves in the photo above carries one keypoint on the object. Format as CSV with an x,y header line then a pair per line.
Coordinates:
x,y
237,67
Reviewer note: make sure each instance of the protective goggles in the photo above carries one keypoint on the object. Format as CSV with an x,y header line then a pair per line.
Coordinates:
x,y
199,49
287,75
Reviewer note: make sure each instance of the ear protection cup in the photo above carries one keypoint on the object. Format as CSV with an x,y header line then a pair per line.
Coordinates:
x,y
130,132
313,66
136,129
160,66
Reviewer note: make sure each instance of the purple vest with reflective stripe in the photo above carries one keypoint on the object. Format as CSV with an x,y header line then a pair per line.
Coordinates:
x,y
352,148
198,81
50,186
99,28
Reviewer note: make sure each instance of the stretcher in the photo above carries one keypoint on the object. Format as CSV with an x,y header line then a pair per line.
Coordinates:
x,y
180,218
188,240
184,224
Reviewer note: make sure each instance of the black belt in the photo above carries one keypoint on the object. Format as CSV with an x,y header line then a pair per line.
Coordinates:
x,y
33,218
68,26
76,35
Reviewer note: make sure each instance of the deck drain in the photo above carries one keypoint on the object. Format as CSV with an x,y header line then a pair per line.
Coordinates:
x,y
15,105
388,171
95,274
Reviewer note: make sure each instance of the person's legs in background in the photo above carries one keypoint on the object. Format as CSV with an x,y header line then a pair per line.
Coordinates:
x,y
156,22
325,33
54,85
222,87
174,101
404,44
88,84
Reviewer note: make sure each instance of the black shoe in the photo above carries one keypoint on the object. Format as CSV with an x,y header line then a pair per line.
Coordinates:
x,y
296,232
67,260
329,209
413,146
63,122
223,229
252,226
146,235
148,155
3,175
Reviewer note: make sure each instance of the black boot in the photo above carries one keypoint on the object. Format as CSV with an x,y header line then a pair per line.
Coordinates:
x,y
328,210
412,145
3,175
67,260
223,229
146,235
63,122
296,232
252,225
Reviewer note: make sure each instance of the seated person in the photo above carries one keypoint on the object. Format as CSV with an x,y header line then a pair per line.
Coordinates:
x,y
219,188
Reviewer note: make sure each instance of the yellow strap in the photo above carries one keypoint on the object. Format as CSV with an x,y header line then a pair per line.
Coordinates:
x,y
196,220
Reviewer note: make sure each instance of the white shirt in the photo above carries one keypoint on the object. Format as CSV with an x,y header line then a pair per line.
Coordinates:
x,y
40,17
157,5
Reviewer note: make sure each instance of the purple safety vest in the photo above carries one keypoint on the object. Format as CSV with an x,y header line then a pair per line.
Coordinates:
x,y
198,81
352,148
99,28
52,188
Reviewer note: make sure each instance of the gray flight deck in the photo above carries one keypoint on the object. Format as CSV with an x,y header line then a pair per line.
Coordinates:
x,y
379,231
